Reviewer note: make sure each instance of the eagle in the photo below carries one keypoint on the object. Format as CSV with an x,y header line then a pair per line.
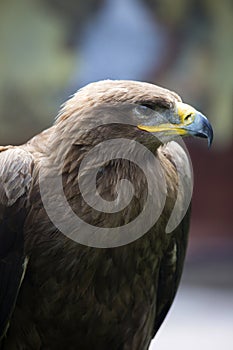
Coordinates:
x,y
77,273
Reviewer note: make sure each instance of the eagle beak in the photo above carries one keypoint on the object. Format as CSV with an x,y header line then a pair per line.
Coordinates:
x,y
200,127
190,122
194,123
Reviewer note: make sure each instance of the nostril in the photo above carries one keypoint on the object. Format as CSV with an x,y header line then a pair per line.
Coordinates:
x,y
188,117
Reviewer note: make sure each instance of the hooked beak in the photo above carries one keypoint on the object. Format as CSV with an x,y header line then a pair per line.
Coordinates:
x,y
191,122
200,127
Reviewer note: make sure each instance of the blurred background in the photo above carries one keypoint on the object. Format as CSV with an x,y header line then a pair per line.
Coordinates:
x,y
50,48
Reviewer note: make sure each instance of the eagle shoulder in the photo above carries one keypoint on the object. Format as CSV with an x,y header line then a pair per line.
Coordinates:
x,y
16,167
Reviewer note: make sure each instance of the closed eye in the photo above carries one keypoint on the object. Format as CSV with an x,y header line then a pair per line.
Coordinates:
x,y
143,110
149,105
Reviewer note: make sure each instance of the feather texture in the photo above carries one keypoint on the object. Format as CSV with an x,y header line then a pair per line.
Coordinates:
x,y
74,296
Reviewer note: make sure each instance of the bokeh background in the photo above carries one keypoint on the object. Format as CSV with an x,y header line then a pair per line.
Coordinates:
x,y
50,48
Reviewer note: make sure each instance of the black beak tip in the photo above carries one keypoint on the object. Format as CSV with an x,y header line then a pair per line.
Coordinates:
x,y
207,130
210,138
209,135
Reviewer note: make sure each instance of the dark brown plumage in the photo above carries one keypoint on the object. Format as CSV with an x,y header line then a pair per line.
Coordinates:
x,y
58,294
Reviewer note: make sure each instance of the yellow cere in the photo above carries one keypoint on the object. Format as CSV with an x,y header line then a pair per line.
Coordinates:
x,y
185,112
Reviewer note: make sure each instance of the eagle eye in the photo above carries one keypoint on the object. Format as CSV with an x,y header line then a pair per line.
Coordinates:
x,y
149,105
144,109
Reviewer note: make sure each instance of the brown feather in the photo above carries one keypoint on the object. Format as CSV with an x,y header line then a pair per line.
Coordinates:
x,y
74,296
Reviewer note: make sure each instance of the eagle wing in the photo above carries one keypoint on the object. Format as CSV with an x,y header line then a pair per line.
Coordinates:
x,y
170,272
15,179
171,265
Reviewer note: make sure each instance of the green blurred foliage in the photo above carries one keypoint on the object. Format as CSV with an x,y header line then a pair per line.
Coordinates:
x,y
34,66
75,12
